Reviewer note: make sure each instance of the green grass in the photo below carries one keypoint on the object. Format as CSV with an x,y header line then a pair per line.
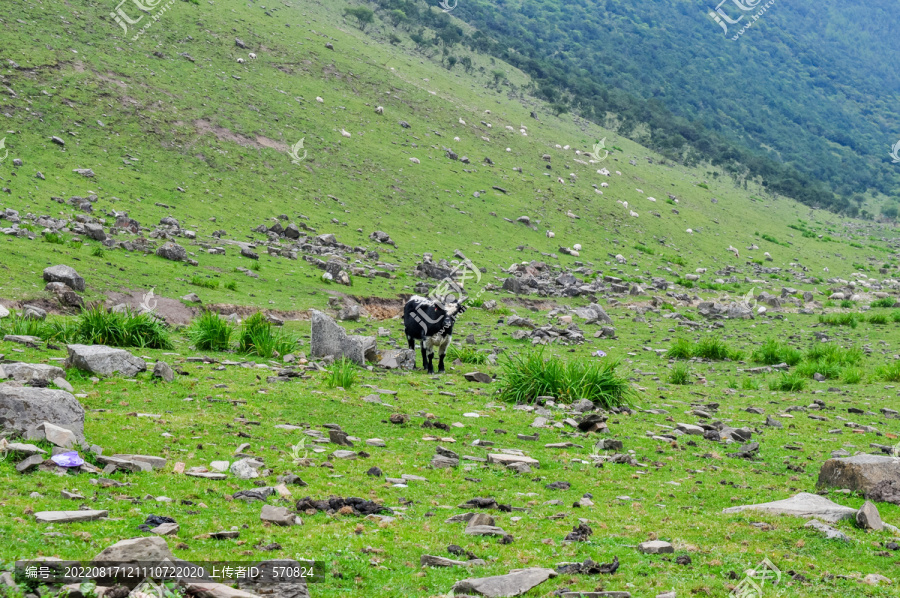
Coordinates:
x,y
54,238
773,352
884,302
199,281
847,304
341,374
715,349
852,375
792,382
851,320
210,332
526,377
878,319
257,336
680,349
644,249
231,285
680,374
466,354
890,372
98,251
97,326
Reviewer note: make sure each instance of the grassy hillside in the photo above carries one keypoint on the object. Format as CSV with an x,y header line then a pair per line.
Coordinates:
x,y
172,125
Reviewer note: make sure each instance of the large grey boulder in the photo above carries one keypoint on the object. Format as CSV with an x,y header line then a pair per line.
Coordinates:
x,y
804,505
24,409
172,251
28,372
94,231
66,275
860,473
328,338
514,583
103,360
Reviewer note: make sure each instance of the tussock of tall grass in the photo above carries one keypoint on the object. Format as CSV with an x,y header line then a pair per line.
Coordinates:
x,y
885,302
890,372
710,348
680,374
210,332
466,354
850,320
792,382
342,373
257,336
98,326
206,283
529,376
774,352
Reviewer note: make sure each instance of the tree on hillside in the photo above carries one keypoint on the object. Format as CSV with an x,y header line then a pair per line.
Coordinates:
x,y
362,14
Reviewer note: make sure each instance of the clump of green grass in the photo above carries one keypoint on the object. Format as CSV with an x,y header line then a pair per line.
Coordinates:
x,y
98,326
877,319
254,265
676,259
680,374
644,249
852,375
884,302
54,238
257,336
466,354
680,349
231,286
890,372
206,283
792,382
98,252
210,332
850,320
527,377
715,349
832,353
774,352
749,384
895,316
342,373
17,324
847,304
808,369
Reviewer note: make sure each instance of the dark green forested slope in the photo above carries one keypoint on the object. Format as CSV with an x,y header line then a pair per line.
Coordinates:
x,y
807,98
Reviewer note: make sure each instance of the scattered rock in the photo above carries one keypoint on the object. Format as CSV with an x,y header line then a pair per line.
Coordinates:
x,y
804,505
172,251
860,473
328,338
279,516
163,371
656,547
868,517
23,410
66,275
68,516
829,532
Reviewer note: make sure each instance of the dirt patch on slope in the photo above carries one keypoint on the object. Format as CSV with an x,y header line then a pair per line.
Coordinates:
x,y
223,134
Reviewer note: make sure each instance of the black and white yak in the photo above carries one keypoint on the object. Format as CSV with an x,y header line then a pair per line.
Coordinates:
x,y
430,323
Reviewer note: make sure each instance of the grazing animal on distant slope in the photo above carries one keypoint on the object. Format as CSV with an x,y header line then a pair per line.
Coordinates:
x,y
430,323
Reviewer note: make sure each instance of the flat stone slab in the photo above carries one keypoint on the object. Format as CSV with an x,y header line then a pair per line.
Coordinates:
x,y
829,532
860,473
510,459
484,530
804,505
68,516
22,339
427,560
155,462
166,529
514,583
656,547
206,475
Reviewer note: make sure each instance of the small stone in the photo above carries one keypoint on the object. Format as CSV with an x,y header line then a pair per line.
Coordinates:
x,y
279,516
163,371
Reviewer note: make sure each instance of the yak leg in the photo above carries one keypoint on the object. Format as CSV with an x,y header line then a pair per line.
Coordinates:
x,y
443,349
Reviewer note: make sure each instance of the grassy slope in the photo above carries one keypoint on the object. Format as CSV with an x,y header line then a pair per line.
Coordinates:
x,y
371,174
